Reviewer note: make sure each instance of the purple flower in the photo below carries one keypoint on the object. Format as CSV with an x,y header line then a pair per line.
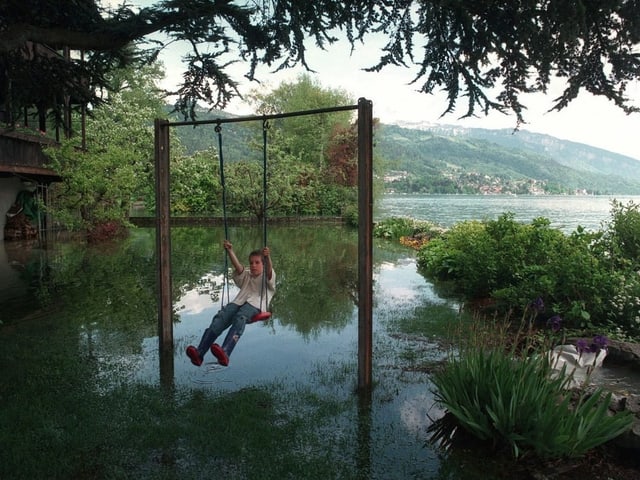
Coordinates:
x,y
599,343
537,305
555,323
582,346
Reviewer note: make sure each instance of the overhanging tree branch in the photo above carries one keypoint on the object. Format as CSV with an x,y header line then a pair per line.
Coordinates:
x,y
491,52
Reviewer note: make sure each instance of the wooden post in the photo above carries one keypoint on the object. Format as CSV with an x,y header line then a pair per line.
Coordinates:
x,y
365,245
163,237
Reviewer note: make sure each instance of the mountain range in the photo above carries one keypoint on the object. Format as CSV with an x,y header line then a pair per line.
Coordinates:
x,y
429,158
452,159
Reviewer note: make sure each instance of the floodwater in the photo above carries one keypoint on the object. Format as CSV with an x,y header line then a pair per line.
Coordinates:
x,y
68,302
100,303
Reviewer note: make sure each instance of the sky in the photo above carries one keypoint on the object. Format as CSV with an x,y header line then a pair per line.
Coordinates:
x,y
590,120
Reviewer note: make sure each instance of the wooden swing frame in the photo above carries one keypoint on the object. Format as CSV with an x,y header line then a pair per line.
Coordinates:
x,y
365,233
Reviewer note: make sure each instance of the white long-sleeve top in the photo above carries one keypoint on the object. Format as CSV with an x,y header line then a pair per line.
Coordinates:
x,y
252,289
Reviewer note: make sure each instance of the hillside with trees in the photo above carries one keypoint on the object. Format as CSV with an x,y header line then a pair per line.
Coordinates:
x,y
448,160
571,154
442,160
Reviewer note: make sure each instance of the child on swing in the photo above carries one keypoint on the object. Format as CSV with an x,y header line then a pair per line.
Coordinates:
x,y
245,306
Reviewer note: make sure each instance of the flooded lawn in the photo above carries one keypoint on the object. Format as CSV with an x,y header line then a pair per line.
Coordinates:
x,y
82,397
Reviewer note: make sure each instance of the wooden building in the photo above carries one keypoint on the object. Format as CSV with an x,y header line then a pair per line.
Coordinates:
x,y
24,132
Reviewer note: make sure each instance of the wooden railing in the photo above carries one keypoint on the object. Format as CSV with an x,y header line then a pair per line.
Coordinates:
x,y
21,153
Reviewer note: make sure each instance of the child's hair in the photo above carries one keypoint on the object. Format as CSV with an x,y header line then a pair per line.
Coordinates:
x,y
256,253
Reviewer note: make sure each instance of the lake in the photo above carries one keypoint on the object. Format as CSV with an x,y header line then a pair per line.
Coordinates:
x,y
565,212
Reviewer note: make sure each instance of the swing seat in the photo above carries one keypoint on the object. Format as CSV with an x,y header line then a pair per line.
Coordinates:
x,y
258,317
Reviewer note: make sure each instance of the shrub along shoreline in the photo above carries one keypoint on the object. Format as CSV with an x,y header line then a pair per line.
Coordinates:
x,y
539,286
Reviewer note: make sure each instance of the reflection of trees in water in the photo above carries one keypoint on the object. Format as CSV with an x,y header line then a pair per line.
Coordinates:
x,y
106,291
112,292
316,266
112,288
317,283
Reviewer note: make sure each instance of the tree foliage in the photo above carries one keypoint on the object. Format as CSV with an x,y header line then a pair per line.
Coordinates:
x,y
488,52
100,183
307,135
311,159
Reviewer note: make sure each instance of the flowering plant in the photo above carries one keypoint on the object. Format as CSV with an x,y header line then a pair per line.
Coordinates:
x,y
517,402
598,343
555,323
537,308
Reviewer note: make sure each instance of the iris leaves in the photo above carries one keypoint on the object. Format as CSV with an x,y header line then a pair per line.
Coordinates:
x,y
516,403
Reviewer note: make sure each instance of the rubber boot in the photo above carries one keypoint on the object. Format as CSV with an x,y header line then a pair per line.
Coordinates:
x,y
222,357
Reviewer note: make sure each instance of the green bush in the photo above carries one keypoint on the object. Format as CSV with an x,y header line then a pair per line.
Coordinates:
x,y
515,403
623,235
350,215
334,200
466,251
624,305
539,261
590,278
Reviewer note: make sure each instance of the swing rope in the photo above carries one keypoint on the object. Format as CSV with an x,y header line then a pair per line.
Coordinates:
x,y
225,286
262,315
265,127
264,292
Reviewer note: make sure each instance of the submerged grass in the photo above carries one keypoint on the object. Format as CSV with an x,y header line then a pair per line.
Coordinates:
x,y
431,320
140,431
426,331
61,417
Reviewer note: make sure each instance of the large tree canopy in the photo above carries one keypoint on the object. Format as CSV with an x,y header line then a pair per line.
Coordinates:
x,y
489,52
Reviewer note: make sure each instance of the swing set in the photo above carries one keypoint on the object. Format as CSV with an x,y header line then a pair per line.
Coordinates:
x,y
365,230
